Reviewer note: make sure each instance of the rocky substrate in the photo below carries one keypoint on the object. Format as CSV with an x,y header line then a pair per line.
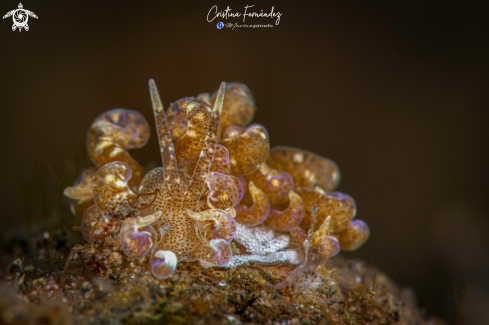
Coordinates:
x,y
341,291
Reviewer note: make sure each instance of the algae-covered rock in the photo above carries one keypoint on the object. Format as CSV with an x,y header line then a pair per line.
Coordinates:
x,y
340,291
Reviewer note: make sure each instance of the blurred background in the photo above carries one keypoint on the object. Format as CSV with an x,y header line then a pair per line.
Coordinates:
x,y
396,92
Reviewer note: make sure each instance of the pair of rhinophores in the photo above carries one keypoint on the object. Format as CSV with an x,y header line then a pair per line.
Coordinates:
x,y
221,197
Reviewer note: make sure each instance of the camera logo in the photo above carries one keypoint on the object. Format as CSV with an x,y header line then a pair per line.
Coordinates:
x,y
20,17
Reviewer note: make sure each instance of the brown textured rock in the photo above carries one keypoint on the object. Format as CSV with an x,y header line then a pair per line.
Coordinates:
x,y
340,291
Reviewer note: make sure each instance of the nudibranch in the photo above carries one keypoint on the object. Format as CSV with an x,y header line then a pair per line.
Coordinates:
x,y
221,197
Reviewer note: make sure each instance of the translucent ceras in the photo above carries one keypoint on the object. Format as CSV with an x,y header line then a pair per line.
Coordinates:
x,y
325,245
258,212
307,169
248,148
188,120
215,224
220,161
81,193
136,243
275,183
354,236
111,188
92,223
238,107
163,264
223,191
321,242
340,207
278,205
114,203
240,184
290,218
115,132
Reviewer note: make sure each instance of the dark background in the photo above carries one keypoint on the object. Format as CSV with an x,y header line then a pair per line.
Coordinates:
x,y
396,92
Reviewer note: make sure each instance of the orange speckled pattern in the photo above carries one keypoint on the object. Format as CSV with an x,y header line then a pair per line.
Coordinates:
x,y
275,183
188,121
257,212
208,192
354,236
223,192
339,206
175,199
90,220
290,218
224,220
112,134
81,193
325,245
220,162
307,168
239,106
110,184
239,186
248,148
136,243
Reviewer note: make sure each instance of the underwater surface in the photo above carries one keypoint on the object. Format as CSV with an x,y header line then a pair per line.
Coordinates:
x,y
394,92
227,231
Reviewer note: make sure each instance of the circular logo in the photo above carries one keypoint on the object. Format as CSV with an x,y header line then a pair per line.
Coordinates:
x,y
20,17
220,25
